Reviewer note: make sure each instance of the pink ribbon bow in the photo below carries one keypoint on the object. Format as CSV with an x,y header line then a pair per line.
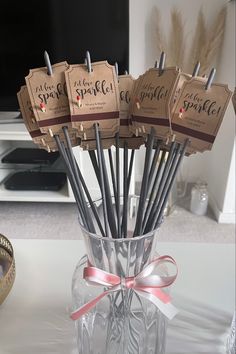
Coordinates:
x,y
146,284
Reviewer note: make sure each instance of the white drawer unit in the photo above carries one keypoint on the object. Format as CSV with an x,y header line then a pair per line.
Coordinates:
x,y
16,135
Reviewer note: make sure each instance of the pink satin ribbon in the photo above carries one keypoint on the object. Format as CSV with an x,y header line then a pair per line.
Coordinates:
x,y
146,284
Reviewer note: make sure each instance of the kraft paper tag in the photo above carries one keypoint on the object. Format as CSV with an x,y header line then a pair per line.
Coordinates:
x,y
198,113
43,140
27,113
126,84
151,101
106,143
183,77
48,95
133,142
93,98
133,126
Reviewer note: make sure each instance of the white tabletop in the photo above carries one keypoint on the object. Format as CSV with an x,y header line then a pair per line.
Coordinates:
x,y
35,317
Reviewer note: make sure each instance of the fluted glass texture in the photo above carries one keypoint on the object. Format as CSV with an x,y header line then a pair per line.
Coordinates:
x,y
122,322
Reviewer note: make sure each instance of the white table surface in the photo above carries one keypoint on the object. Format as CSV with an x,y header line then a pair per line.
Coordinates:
x,y
35,317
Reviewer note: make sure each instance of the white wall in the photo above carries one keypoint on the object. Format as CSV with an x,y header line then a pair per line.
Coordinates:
x,y
224,149
216,167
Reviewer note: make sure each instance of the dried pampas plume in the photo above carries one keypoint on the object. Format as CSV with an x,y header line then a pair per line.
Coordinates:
x,y
177,41
160,37
205,44
199,41
213,43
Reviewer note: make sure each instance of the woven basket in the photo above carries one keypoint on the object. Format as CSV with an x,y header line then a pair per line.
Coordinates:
x,y
8,263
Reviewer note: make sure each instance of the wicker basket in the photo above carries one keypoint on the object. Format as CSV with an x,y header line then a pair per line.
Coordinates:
x,y
7,264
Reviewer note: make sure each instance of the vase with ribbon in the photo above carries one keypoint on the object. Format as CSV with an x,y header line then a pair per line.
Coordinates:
x,y
120,294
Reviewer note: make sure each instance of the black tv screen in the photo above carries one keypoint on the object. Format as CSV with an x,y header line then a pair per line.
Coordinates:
x,y
66,29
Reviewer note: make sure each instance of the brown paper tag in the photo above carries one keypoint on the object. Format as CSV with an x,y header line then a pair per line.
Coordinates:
x,y
198,113
132,127
234,99
47,143
48,95
183,77
151,101
126,84
93,98
43,140
75,141
27,113
91,144
133,142
31,124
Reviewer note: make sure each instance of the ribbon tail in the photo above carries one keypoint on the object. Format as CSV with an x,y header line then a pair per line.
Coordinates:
x,y
87,307
169,310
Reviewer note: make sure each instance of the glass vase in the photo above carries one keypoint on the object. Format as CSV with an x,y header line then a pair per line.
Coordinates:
x,y
231,343
122,322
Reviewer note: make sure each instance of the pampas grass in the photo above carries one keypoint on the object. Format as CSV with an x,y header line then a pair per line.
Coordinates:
x,y
205,44
177,40
214,42
199,41
160,37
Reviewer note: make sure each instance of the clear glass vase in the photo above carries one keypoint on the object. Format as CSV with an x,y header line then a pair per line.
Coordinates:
x,y
122,322
231,343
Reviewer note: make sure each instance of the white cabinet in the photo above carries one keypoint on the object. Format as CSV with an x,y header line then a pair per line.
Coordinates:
x,y
16,135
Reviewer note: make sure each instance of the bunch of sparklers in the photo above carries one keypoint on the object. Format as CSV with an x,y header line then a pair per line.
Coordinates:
x,y
161,165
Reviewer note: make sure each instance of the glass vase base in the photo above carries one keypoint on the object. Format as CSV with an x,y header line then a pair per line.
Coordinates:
x,y
122,322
